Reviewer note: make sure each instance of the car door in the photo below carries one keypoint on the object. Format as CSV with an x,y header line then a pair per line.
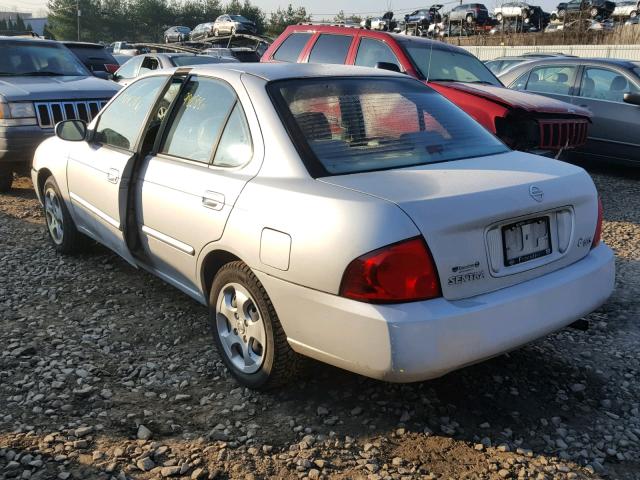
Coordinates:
x,y
615,131
99,170
192,178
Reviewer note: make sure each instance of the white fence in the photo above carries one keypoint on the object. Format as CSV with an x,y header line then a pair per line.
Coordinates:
x,y
629,52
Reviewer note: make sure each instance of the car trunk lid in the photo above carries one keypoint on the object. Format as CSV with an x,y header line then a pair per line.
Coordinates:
x,y
466,209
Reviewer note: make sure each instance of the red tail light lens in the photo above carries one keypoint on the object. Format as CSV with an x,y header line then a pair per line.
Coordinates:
x,y
111,67
402,272
598,233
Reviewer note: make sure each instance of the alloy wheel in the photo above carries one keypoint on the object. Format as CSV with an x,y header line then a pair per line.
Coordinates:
x,y
240,328
53,215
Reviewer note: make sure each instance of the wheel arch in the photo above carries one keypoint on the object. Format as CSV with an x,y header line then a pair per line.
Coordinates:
x,y
211,264
43,174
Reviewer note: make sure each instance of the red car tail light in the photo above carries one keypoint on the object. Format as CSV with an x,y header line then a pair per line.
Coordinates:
x,y
598,233
111,67
401,272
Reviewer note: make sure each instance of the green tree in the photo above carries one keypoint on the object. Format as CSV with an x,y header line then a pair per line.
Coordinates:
x,y
3,25
20,26
281,19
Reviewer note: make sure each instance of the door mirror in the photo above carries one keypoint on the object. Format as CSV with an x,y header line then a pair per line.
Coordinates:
x,y
388,66
632,98
72,130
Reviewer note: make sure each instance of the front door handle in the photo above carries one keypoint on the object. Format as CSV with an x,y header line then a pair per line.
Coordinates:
x,y
113,175
213,200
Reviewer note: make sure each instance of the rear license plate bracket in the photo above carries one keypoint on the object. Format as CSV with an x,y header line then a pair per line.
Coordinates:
x,y
526,240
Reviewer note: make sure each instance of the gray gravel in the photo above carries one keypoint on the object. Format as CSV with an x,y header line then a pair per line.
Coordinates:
x,y
106,372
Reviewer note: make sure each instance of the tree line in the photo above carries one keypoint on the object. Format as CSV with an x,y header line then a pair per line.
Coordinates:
x,y
146,20
8,25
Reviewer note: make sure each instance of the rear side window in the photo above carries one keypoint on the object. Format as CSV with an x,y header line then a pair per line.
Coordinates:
x,y
290,49
330,49
235,146
372,51
343,125
199,117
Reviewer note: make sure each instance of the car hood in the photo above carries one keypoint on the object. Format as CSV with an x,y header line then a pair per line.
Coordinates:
x,y
15,89
515,99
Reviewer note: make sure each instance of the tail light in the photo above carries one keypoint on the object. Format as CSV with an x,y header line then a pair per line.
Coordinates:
x,y
111,67
598,233
401,272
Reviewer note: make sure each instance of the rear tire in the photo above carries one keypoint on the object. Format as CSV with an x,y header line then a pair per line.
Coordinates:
x,y
469,19
594,12
499,17
247,332
6,179
633,14
61,228
215,32
166,39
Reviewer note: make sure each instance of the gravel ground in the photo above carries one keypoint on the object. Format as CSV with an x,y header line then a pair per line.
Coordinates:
x,y
106,372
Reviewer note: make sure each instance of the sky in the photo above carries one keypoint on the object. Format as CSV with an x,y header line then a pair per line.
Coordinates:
x,y
319,8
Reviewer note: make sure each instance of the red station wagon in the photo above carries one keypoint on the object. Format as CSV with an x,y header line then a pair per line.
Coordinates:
x,y
523,121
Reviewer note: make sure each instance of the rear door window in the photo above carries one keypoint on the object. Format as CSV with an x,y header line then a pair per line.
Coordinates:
x,y
372,51
331,49
556,80
290,49
605,84
199,116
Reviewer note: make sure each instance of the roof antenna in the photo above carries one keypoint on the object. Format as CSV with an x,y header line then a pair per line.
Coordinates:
x,y
430,56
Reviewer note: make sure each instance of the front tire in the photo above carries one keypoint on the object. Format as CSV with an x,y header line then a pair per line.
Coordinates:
x,y
215,32
62,230
247,332
166,39
594,12
6,179
469,19
499,17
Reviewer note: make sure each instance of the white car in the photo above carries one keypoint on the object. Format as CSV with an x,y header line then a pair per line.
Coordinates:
x,y
626,9
512,10
351,215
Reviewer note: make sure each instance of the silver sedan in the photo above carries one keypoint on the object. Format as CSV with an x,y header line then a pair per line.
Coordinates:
x,y
350,215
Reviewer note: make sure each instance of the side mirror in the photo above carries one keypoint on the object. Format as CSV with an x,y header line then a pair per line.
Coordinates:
x,y
101,74
72,130
632,98
388,66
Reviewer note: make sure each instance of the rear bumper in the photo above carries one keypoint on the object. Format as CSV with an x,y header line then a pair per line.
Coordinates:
x,y
422,340
18,144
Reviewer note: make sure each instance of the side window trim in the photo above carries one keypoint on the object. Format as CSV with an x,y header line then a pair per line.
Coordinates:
x,y
140,136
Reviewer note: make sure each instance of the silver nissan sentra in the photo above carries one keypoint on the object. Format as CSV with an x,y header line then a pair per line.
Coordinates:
x,y
351,215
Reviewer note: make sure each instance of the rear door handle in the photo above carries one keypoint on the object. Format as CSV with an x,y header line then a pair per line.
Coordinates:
x,y
213,200
113,175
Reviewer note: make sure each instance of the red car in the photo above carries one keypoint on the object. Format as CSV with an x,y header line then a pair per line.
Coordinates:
x,y
524,121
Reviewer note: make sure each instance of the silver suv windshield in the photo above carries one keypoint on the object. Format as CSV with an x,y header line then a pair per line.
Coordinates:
x,y
359,124
447,65
38,59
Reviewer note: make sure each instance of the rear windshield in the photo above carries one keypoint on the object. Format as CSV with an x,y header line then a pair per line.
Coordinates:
x,y
38,59
436,64
350,125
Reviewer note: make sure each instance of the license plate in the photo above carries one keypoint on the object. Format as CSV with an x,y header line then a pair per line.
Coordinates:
x,y
526,240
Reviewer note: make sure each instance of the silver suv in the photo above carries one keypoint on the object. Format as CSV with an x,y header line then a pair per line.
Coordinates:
x,y
42,84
